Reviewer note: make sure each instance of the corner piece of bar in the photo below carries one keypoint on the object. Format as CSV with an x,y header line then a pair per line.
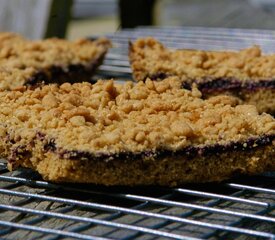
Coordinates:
x,y
246,74
149,133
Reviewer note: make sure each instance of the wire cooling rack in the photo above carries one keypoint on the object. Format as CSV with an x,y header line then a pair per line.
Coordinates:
x,y
243,208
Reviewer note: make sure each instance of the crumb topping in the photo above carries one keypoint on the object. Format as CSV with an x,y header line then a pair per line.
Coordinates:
x,y
21,58
150,58
111,118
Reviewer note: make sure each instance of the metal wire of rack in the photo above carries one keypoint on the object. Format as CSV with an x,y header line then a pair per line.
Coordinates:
x,y
243,208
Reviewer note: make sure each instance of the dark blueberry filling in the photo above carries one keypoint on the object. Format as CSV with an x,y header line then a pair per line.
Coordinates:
x,y
39,77
221,84
158,76
208,84
188,151
73,73
191,151
187,85
50,146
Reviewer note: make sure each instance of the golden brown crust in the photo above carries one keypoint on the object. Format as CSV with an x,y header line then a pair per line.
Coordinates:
x,y
73,132
22,59
168,171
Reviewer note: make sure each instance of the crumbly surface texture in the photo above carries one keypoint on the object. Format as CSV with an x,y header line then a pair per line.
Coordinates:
x,y
25,62
148,133
247,71
263,99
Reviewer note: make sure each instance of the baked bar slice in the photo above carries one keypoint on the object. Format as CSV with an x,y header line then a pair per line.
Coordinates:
x,y
148,133
247,74
32,63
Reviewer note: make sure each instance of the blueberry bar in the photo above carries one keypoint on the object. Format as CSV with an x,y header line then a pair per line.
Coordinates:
x,y
247,74
32,63
149,133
